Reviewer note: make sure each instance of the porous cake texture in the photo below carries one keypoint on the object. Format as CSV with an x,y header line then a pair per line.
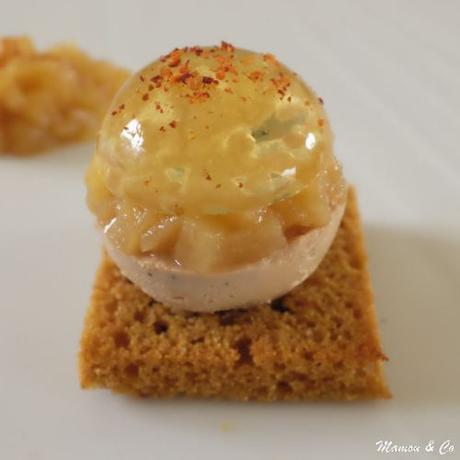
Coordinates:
x,y
320,341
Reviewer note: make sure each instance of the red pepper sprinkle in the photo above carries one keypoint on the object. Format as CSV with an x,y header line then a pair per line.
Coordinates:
x,y
255,75
145,97
173,124
226,46
209,80
174,68
184,67
268,57
184,77
175,63
320,99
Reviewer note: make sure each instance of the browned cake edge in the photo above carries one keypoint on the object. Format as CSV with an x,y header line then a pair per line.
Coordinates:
x,y
120,354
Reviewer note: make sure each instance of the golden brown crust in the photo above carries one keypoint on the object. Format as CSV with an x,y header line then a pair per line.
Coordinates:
x,y
320,341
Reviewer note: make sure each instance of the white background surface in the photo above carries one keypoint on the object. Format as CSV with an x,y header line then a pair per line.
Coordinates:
x,y
389,74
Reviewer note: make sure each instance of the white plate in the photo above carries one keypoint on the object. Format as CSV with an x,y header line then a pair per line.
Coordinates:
x,y
389,74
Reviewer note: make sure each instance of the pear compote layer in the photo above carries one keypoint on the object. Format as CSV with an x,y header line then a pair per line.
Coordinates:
x,y
213,158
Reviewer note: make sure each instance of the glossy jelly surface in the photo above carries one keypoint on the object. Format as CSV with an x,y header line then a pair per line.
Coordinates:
x,y
209,149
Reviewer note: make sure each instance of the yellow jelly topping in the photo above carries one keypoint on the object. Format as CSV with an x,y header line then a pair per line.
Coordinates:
x,y
213,157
